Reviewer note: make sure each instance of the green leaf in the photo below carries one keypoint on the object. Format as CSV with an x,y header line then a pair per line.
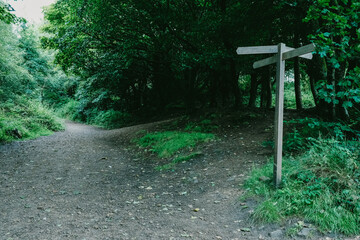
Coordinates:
x,y
347,104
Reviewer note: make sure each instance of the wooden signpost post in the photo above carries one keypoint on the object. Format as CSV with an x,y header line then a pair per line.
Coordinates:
x,y
282,53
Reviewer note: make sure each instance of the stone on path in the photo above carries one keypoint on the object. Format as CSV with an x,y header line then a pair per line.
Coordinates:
x,y
276,234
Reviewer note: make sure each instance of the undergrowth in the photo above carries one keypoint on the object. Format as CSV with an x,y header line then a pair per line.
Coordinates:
x,y
321,185
108,119
304,131
26,119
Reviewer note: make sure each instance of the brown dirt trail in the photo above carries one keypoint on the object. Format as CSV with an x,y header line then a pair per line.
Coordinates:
x,y
89,183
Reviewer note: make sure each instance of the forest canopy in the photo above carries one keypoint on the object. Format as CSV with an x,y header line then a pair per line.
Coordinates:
x,y
153,55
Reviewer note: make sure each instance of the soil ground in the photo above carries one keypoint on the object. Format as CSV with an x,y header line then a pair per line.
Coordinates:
x,y
90,183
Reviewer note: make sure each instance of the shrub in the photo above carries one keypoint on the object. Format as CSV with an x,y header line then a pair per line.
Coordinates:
x,y
306,130
110,119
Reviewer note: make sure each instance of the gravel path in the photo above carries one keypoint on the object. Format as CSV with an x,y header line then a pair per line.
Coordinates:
x,y
89,183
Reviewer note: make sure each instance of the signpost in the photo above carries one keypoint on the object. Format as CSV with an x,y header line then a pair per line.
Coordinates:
x,y
282,53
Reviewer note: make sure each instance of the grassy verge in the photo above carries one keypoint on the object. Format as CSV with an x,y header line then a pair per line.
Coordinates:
x,y
26,119
322,186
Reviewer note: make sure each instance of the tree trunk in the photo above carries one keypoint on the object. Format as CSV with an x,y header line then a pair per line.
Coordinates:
x,y
265,97
317,71
331,82
341,111
313,90
190,75
268,88
297,84
253,90
213,85
234,83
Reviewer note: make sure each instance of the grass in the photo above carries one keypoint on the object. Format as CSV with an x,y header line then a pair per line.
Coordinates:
x,y
26,119
322,186
178,140
166,144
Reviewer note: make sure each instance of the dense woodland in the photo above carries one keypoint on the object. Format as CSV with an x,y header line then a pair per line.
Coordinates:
x,y
133,58
154,55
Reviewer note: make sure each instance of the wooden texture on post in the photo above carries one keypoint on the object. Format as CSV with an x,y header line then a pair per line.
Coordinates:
x,y
265,62
306,55
279,114
283,53
303,52
257,50
299,51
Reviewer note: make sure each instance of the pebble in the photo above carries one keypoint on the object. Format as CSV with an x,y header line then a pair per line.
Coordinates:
x,y
276,234
305,232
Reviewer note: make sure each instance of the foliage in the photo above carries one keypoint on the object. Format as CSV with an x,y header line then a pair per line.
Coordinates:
x,y
110,119
321,185
166,144
289,96
24,119
306,130
14,79
6,16
27,83
337,39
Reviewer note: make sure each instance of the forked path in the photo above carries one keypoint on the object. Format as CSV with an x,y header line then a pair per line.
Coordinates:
x,y
88,183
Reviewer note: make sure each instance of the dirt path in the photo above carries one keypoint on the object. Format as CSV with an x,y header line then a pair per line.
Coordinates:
x,y
86,183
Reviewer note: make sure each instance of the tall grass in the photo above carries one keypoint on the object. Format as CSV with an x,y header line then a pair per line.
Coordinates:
x,y
322,186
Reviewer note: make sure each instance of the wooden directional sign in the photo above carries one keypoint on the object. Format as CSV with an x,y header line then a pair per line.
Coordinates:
x,y
257,50
282,53
289,53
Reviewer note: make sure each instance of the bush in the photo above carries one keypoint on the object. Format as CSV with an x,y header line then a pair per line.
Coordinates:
x,y
306,130
110,119
75,110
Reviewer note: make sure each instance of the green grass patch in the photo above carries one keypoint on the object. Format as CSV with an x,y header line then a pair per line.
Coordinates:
x,y
322,186
26,119
167,144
